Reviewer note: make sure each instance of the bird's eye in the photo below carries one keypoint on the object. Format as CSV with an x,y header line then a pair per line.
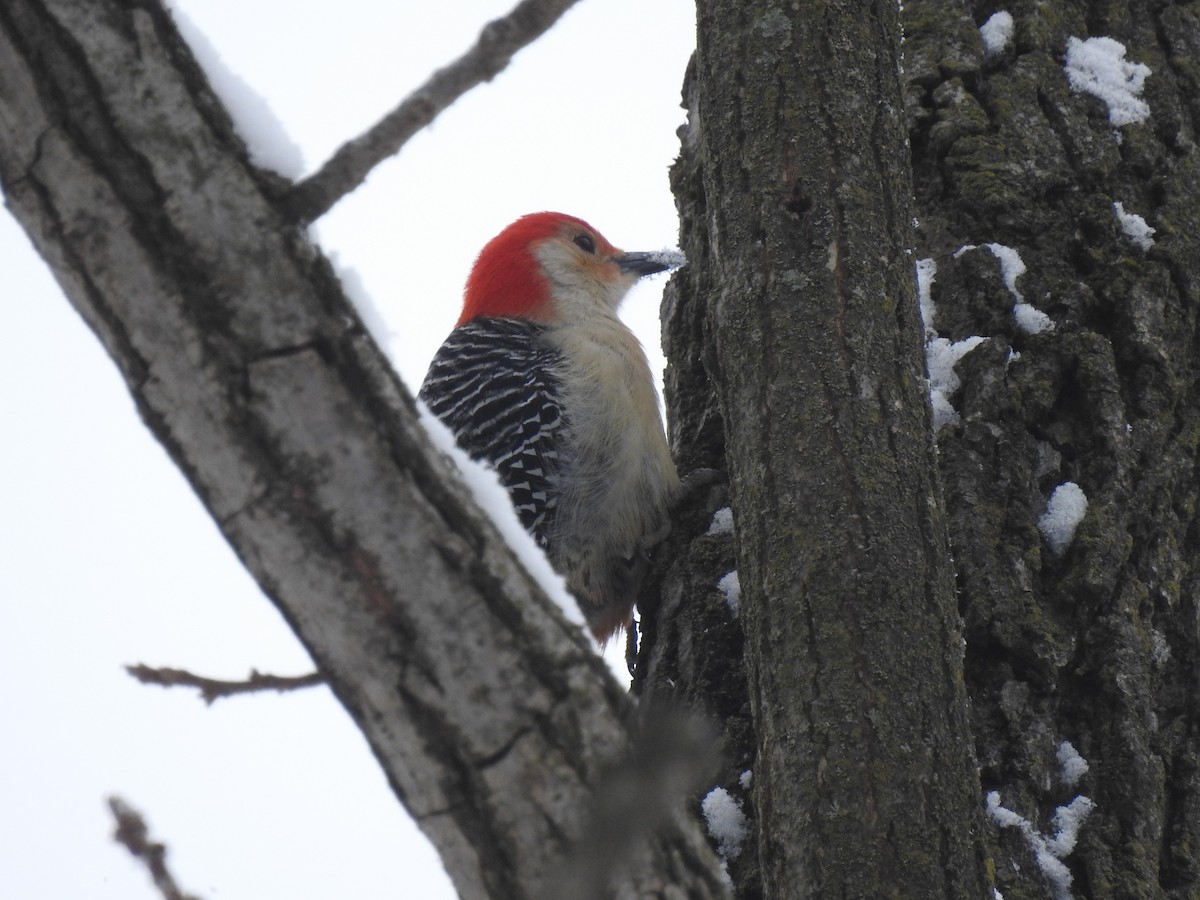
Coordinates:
x,y
584,242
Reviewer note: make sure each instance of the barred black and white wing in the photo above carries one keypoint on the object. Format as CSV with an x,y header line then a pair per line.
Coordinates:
x,y
493,384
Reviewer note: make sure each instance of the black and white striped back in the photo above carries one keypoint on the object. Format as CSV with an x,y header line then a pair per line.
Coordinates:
x,y
493,384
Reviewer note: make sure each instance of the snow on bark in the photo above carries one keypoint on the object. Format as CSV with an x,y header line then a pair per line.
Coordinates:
x,y
996,32
1097,66
1134,226
1064,511
726,822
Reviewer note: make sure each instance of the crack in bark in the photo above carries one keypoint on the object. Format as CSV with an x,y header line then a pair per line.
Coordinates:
x,y
490,759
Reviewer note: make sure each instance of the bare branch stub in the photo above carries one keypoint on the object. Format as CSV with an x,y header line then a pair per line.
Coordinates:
x,y
133,833
673,755
212,689
349,166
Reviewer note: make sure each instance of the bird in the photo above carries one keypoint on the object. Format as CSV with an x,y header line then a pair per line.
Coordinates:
x,y
542,381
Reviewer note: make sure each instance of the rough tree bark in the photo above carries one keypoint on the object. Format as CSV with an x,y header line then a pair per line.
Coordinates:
x,y
493,720
1095,647
795,354
796,203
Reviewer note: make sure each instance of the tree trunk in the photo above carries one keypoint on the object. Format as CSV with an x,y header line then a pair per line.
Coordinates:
x,y
1094,643
799,305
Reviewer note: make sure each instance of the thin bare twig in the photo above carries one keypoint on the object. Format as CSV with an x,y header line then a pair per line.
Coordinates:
x,y
213,688
135,835
349,166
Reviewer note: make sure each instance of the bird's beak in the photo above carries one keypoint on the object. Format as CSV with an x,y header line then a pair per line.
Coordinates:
x,y
640,264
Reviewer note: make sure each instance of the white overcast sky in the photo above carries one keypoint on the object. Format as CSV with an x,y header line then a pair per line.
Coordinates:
x,y
106,557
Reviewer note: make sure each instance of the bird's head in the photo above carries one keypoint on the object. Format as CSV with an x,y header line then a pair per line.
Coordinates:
x,y
552,267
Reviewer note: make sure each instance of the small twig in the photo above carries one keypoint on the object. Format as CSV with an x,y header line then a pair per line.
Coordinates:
x,y
213,688
135,835
349,166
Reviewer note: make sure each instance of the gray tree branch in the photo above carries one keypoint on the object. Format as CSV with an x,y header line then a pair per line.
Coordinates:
x,y
133,834
491,716
212,689
349,166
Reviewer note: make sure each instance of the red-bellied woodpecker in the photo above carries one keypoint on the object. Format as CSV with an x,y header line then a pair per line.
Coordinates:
x,y
542,380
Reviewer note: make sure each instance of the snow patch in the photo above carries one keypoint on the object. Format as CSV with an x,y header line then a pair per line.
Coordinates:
x,y
1029,319
1068,820
722,521
489,493
745,778
364,305
1064,511
731,587
1160,650
1097,66
941,356
996,32
726,822
1012,266
1135,227
926,274
668,256
1048,851
270,146
1072,765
